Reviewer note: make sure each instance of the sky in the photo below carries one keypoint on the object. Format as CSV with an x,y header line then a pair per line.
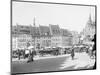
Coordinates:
x,y
71,17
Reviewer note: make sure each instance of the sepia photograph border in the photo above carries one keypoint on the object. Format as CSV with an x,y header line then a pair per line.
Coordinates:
x,y
11,19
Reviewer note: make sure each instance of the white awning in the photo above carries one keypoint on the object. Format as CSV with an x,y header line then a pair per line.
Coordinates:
x,y
30,47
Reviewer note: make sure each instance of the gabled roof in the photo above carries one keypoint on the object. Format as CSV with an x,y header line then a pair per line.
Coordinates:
x,y
35,31
55,29
65,32
22,29
44,31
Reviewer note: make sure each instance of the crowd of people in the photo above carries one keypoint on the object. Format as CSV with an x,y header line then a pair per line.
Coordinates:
x,y
91,50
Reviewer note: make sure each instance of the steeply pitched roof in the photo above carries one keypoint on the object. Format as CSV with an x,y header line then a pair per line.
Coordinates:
x,y
22,29
55,30
44,30
65,32
35,31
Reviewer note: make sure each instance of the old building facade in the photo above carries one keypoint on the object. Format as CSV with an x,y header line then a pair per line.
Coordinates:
x,y
41,37
56,35
45,36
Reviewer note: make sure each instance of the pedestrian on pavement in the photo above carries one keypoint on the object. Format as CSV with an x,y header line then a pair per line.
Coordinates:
x,y
87,49
72,53
31,55
19,54
91,53
24,54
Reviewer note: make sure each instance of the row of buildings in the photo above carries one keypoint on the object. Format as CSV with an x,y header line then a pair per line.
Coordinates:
x,y
50,36
40,37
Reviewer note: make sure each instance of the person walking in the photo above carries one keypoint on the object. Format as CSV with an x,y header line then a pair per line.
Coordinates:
x,y
19,54
24,54
31,55
72,54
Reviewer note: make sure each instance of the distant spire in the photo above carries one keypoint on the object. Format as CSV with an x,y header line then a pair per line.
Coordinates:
x,y
34,22
90,18
17,24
